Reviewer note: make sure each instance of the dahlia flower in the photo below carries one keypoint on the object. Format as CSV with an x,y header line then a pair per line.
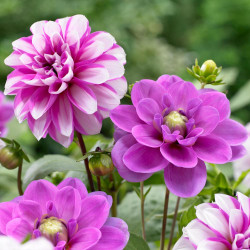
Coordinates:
x,y
65,78
66,215
173,126
8,243
223,225
6,113
243,164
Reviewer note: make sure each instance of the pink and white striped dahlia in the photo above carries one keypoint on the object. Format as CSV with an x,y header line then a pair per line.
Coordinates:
x,y
65,78
6,114
223,225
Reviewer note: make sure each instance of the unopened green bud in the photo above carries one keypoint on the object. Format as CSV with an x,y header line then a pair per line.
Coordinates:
x,y
9,157
101,164
208,68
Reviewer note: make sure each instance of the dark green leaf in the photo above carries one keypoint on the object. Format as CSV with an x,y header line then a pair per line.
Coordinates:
x,y
241,178
136,243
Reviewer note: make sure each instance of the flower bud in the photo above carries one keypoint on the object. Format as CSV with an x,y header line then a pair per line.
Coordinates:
x,y
208,68
101,164
176,121
9,157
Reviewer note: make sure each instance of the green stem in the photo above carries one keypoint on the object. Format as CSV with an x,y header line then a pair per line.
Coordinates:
x,y
114,204
173,223
142,211
164,220
86,161
99,185
19,179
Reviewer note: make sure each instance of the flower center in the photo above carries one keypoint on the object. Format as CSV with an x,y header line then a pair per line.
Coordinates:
x,y
54,230
176,121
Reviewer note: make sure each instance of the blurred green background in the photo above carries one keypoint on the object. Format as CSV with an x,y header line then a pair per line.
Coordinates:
x,y
159,37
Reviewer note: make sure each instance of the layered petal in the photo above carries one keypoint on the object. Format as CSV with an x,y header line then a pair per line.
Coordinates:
x,y
185,182
118,151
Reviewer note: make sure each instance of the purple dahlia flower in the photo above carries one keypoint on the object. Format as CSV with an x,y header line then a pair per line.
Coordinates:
x,y
173,126
65,78
66,215
6,114
223,225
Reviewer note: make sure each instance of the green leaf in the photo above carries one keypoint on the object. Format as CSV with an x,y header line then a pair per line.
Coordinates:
x,y
136,189
221,181
241,98
48,164
129,210
136,242
241,178
145,195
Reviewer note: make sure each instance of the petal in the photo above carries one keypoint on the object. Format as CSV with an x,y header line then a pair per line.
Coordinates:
x,y
57,136
40,126
62,115
29,210
167,80
212,245
40,102
215,219
85,238
185,182
217,100
112,238
142,159
25,45
50,28
6,209
37,27
147,108
118,52
147,135
182,92
83,98
147,89
183,244
113,66
197,232
179,155
231,131
237,219
18,229
87,124
226,202
191,137
40,191
107,99
68,203
206,117
13,59
119,149
76,184
119,85
212,149
125,117
238,152
93,73
244,203
91,207
78,23
117,223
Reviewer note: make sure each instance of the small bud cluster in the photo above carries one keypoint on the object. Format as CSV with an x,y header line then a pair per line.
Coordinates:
x,y
207,73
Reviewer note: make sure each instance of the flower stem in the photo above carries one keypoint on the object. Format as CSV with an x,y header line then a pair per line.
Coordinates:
x,y
19,179
142,211
164,220
173,224
114,204
99,185
86,161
